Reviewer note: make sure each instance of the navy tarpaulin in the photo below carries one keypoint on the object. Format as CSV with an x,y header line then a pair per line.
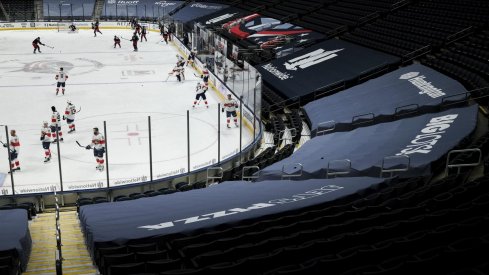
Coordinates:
x,y
220,17
412,87
226,203
322,65
15,234
195,10
140,8
424,139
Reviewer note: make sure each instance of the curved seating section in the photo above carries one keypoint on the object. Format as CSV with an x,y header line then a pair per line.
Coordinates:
x,y
15,241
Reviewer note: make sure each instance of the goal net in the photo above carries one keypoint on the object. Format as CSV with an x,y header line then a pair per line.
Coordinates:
x,y
65,27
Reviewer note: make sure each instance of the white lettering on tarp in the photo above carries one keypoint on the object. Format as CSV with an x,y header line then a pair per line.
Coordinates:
x,y
220,18
256,206
165,4
422,84
310,59
276,72
207,7
434,130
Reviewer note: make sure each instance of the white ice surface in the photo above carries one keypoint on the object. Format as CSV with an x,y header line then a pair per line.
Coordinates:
x,y
118,86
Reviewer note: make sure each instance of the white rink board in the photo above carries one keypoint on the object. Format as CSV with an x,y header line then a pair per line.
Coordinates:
x,y
118,86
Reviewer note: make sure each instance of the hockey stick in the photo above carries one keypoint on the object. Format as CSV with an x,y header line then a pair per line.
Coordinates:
x,y
80,145
5,145
125,38
79,110
49,46
168,77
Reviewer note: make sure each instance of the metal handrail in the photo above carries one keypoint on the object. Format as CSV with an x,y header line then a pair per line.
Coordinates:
x,y
214,177
254,175
322,132
460,165
391,171
409,111
356,118
346,172
296,175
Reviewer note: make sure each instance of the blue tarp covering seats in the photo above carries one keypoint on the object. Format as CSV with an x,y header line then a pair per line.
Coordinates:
x,y
322,65
226,203
424,139
68,8
15,234
220,17
195,10
416,85
140,8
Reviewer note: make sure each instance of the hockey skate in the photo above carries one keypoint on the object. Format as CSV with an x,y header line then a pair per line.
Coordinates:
x,y
228,126
100,168
47,159
236,124
71,131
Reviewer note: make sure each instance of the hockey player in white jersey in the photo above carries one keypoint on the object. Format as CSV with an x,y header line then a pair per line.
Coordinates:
x,y
61,77
200,94
13,147
46,138
98,146
69,115
230,106
56,125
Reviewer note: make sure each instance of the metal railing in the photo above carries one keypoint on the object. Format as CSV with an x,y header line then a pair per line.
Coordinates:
x,y
460,165
338,171
391,171
295,174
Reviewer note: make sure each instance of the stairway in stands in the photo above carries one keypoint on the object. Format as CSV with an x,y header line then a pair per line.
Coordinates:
x,y
98,8
76,258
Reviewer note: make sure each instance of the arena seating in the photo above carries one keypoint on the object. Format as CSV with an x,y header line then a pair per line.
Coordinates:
x,y
435,220
15,241
19,10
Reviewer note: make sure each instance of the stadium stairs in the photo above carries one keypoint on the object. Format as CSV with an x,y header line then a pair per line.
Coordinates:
x,y
98,8
42,260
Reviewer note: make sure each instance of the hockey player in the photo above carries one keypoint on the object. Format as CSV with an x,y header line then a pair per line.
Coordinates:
x,y
36,44
200,90
205,75
55,125
98,145
46,139
61,77
117,41
13,148
165,37
135,40
191,57
230,105
95,27
176,71
69,115
143,34
181,68
180,59
72,27
138,28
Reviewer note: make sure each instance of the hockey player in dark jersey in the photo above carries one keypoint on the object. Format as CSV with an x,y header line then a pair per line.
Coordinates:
x,y
36,44
143,34
117,41
135,40
95,27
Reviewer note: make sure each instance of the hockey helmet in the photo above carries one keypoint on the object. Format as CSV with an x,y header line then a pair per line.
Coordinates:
x,y
53,108
44,123
69,102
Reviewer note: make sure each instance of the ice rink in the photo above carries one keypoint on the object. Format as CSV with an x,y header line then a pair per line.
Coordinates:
x,y
118,86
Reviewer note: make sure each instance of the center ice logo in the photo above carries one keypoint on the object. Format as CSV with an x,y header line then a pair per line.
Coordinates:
x,y
47,66
310,59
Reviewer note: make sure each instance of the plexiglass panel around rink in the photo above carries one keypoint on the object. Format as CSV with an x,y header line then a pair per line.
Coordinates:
x,y
139,147
245,82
